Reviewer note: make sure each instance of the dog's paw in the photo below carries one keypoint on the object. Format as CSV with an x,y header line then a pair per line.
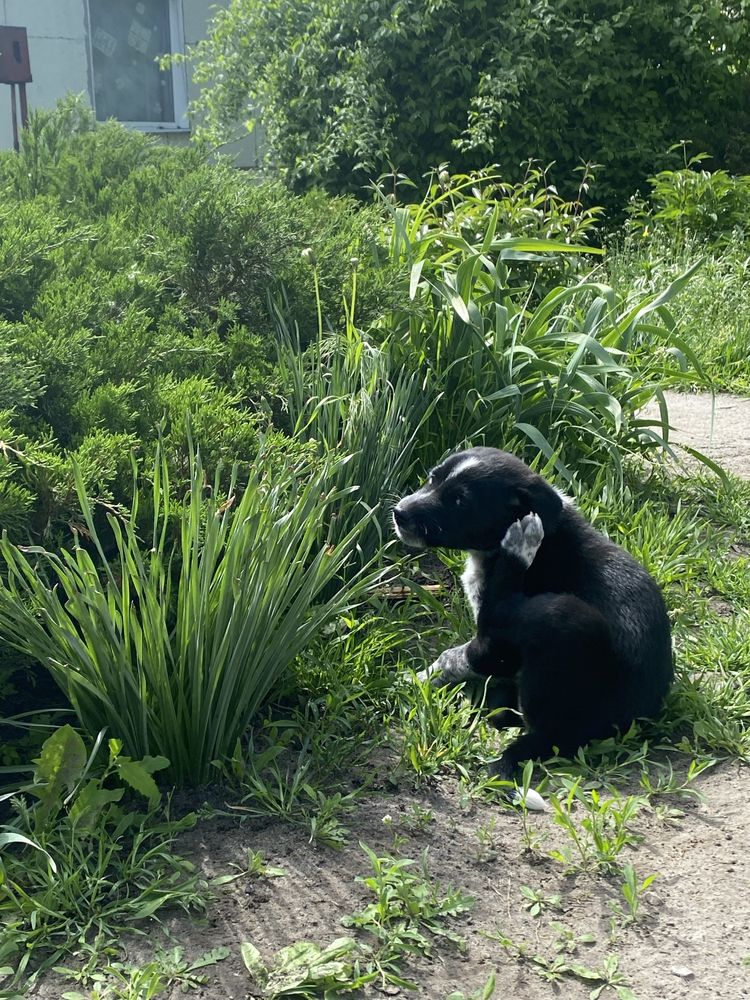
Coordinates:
x,y
504,770
433,674
523,538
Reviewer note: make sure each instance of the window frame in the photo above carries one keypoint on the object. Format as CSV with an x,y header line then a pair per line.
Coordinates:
x,y
179,75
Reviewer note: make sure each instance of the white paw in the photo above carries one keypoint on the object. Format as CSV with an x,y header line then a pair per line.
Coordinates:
x,y
533,801
523,538
428,674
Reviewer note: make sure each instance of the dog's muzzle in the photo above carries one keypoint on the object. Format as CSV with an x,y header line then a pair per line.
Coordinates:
x,y
406,529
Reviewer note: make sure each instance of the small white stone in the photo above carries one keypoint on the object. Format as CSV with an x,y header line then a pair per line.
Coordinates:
x,y
682,971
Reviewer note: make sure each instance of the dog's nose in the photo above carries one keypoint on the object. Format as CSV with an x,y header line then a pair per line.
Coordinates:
x,y
399,515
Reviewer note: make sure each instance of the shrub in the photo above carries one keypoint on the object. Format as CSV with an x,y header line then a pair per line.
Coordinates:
x,y
135,283
711,206
348,89
550,373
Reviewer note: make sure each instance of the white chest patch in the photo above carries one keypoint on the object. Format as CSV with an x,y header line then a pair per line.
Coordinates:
x,y
472,579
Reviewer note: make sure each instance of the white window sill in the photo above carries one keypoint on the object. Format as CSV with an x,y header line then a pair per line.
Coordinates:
x,y
156,127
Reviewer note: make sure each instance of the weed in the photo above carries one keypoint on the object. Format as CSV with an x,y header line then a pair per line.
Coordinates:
x,y
659,780
398,838
568,941
282,785
603,763
407,911
255,867
99,867
551,970
487,837
119,981
532,838
307,971
323,818
633,889
482,993
439,729
608,976
603,832
668,815
418,818
536,902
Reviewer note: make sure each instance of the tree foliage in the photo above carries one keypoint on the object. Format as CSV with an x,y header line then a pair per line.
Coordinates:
x,y
345,89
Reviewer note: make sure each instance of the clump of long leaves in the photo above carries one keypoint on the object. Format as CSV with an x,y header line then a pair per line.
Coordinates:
x,y
173,646
346,395
561,370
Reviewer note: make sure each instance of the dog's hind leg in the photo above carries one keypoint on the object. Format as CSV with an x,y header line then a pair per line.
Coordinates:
x,y
528,746
499,700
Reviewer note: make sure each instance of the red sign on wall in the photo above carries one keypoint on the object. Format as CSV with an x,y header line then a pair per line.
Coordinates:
x,y
14,56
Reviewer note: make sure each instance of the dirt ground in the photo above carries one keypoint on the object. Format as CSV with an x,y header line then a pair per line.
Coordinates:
x,y
690,943
718,426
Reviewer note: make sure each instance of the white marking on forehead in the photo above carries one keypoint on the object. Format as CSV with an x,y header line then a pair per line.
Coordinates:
x,y
467,463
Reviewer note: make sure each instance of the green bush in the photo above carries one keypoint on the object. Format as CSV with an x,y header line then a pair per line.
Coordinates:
x,y
136,282
348,89
713,206
558,373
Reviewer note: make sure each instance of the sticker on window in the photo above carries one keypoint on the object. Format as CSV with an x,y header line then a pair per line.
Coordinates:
x,y
139,37
104,42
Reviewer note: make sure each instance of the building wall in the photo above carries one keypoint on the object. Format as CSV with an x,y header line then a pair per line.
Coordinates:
x,y
58,50
196,15
60,60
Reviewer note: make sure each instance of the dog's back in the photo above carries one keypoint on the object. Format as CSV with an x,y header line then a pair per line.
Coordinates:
x,y
577,559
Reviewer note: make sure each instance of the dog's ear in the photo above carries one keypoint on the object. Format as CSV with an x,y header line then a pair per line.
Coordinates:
x,y
542,499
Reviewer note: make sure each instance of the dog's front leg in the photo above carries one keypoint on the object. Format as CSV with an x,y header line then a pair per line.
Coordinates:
x,y
476,659
451,667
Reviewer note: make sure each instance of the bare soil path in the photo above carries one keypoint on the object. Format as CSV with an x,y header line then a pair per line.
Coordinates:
x,y
718,426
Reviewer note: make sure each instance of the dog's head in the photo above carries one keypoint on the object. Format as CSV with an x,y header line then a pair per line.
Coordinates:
x,y
471,499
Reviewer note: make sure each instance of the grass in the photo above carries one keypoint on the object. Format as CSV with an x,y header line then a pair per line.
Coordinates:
x,y
712,309
87,864
310,764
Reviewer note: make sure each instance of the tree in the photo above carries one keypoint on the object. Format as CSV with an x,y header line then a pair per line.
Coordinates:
x,y
345,89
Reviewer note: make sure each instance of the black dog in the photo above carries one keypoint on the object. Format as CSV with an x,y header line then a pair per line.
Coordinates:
x,y
571,627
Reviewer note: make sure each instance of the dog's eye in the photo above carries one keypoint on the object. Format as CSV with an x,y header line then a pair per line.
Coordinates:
x,y
458,500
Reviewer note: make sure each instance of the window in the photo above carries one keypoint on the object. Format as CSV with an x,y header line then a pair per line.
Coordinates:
x,y
127,38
